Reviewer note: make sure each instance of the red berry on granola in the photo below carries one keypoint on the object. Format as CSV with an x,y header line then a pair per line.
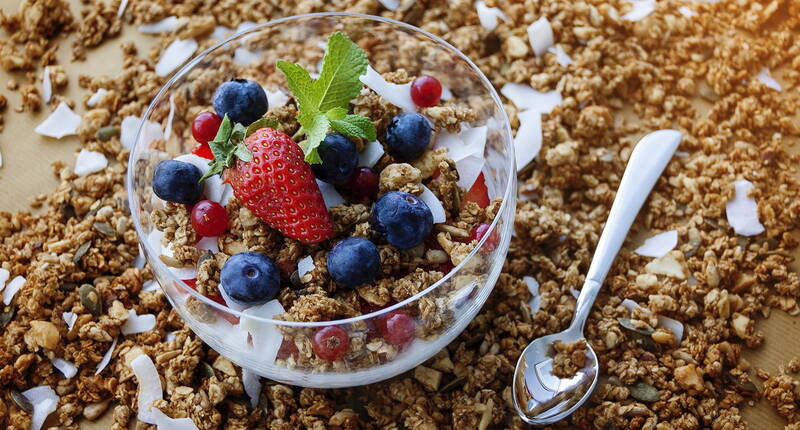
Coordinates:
x,y
426,91
209,218
330,343
397,327
478,193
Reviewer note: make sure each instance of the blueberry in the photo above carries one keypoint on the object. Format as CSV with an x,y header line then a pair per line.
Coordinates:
x,y
178,182
339,159
407,136
242,100
250,278
402,218
354,262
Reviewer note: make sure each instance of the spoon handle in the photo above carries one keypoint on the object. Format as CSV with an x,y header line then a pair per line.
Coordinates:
x,y
647,161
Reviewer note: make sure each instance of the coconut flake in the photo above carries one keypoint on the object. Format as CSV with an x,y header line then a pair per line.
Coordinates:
x,y
89,162
221,32
658,245
526,98
176,54
562,57
675,326
150,285
575,292
266,338
213,186
65,367
329,194
488,16
106,357
140,259
164,422
536,299
742,211
166,25
373,151
227,195
12,288
398,95
44,401
245,57
149,387
138,323
528,140
208,243
62,122
685,11
170,117
469,168
151,131
170,336
640,10
468,142
446,93
47,87
276,98
768,80
540,34
122,5
229,301
69,318
305,265
390,4
252,386
96,97
430,199
4,275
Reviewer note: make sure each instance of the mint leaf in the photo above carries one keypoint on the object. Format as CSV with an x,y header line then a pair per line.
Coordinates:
x,y
261,123
227,146
356,126
300,85
316,126
338,82
237,135
336,113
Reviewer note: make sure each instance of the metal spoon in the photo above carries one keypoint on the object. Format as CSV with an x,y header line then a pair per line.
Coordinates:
x,y
540,397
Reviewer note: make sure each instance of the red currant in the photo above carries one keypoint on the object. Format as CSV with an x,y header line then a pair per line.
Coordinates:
x,y
397,327
426,91
363,182
205,127
477,234
203,150
287,349
330,343
477,193
209,218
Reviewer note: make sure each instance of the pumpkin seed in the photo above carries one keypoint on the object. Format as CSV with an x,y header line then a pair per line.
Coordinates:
x,y
124,205
90,299
104,228
6,317
641,336
206,370
694,241
295,279
452,385
67,210
644,392
22,401
746,387
205,256
628,325
107,132
82,250
68,286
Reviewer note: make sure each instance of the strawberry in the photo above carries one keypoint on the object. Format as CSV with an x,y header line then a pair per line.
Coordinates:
x,y
477,193
278,186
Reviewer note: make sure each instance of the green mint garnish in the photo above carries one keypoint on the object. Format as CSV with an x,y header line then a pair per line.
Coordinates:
x,y
228,145
324,102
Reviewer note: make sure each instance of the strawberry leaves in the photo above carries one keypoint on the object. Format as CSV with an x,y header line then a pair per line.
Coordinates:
x,y
228,145
324,102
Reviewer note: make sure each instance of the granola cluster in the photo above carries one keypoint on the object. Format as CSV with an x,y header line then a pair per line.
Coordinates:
x,y
692,71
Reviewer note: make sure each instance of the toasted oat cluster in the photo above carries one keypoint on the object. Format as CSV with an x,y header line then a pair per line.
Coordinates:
x,y
688,66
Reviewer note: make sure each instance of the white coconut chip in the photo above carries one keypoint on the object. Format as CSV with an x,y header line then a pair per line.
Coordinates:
x,y
4,275
575,293
47,87
536,299
122,5
166,25
685,11
673,325
175,55
69,319
151,131
170,117
44,401
266,338
138,323
245,57
329,194
305,265
640,10
213,186
154,240
658,245
764,77
562,57
526,98
398,95
446,93
62,122
229,301
12,288
96,97
208,243
89,162
468,142
106,357
434,204
150,285
390,4
149,387
742,211
65,367
488,16
164,422
540,35
221,32
170,336
528,140
252,386
469,168
227,195
372,153
276,99
183,273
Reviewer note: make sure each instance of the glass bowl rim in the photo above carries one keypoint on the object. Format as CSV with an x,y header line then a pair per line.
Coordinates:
x,y
508,194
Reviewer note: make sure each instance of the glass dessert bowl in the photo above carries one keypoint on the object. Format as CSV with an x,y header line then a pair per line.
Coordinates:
x,y
317,328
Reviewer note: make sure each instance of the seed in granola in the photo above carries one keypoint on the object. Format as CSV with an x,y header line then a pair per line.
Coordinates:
x,y
92,411
206,371
22,401
82,250
90,299
104,228
457,382
106,133
68,286
644,392
6,316
628,325
745,387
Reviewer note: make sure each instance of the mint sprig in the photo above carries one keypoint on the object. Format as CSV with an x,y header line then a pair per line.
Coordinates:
x,y
324,102
228,145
